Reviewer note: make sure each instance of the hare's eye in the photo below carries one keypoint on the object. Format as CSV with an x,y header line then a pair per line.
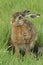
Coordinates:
x,y
20,17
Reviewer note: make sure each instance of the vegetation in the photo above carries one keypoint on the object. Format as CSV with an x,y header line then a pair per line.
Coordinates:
x,y
7,8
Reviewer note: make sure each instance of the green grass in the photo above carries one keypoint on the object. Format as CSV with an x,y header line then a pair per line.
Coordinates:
x,y
7,8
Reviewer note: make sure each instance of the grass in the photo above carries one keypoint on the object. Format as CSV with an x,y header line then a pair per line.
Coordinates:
x,y
7,8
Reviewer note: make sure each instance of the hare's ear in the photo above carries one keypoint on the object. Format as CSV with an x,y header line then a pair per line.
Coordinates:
x,y
25,12
33,15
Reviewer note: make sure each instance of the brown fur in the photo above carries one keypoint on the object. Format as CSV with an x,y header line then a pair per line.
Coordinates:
x,y
23,36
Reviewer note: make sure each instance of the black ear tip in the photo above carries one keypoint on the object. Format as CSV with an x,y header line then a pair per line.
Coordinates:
x,y
38,14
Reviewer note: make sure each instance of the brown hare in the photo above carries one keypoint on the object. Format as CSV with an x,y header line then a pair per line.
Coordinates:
x,y
23,33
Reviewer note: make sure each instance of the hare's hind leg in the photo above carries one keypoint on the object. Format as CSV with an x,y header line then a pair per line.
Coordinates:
x,y
13,48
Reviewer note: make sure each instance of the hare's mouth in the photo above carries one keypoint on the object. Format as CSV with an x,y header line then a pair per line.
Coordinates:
x,y
20,22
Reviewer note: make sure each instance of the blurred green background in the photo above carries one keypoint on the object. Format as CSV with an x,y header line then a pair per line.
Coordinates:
x,y
7,8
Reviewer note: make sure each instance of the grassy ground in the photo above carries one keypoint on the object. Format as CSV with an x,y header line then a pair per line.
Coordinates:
x,y
7,8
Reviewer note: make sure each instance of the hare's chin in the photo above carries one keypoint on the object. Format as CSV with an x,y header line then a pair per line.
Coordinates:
x,y
20,23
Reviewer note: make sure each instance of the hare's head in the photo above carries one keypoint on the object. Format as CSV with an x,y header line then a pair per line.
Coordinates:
x,y
19,17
